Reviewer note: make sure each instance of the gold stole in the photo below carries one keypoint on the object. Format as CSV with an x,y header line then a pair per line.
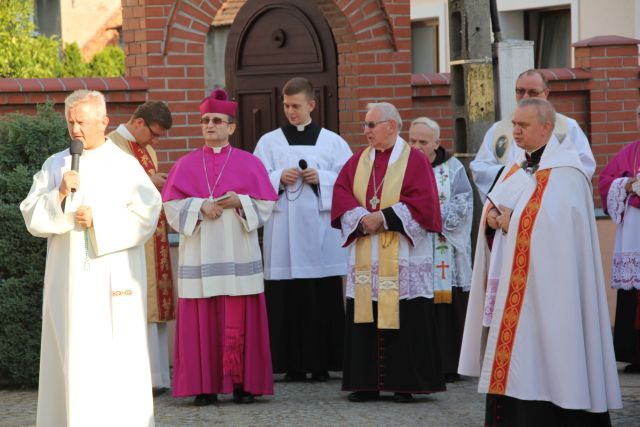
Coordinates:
x,y
388,245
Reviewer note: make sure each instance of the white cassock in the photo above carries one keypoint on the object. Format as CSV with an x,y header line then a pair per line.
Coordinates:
x,y
94,365
299,242
485,167
549,338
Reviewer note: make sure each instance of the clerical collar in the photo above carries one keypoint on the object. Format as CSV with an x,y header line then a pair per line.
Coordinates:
x,y
300,128
532,160
534,157
441,156
218,150
307,136
125,132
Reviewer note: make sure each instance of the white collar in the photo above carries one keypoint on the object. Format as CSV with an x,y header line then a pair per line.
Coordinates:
x,y
395,151
122,130
301,127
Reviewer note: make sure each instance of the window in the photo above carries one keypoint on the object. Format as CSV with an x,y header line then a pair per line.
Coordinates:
x,y
424,46
550,31
47,17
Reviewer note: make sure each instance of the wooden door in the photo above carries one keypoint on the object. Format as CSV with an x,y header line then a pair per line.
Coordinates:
x,y
269,43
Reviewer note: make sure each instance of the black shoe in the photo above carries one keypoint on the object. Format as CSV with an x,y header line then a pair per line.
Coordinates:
x,y
157,391
363,396
320,376
451,378
634,368
205,399
241,396
403,398
295,377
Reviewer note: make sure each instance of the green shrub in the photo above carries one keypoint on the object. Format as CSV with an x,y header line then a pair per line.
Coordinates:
x,y
25,143
109,62
24,54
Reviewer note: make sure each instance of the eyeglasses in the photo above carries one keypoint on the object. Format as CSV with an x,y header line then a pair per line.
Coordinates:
x,y
153,134
373,124
217,121
531,92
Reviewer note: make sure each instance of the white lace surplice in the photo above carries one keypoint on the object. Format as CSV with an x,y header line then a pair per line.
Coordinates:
x,y
457,216
626,252
415,255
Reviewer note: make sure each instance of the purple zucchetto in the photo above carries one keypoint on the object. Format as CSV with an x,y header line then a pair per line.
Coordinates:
x,y
217,103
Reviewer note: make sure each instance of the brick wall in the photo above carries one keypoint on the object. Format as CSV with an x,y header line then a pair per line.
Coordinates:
x,y
123,94
601,95
164,43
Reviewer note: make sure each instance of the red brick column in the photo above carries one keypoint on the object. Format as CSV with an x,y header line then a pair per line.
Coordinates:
x,y
613,65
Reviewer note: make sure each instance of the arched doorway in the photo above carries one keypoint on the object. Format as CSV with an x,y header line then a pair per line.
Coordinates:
x,y
269,43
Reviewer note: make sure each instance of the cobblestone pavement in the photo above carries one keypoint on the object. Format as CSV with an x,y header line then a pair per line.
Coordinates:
x,y
323,404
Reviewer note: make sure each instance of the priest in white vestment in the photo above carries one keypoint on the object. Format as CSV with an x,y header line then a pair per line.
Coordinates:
x,y
498,148
94,365
303,258
451,247
547,355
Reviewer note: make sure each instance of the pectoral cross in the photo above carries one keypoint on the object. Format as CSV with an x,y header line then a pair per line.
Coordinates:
x,y
374,201
442,266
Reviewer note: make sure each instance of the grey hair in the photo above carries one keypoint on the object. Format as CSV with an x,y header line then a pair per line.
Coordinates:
x,y
389,112
81,96
638,109
546,112
432,124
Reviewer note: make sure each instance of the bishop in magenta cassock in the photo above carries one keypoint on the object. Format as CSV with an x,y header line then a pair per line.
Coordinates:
x,y
386,203
217,197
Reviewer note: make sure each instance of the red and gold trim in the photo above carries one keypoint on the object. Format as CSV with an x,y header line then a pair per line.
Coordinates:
x,y
160,306
517,286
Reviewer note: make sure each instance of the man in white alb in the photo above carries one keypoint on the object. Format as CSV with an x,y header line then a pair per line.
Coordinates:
x,y
93,315
303,260
498,148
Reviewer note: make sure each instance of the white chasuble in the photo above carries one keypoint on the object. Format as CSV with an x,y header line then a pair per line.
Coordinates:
x,y
299,240
549,338
94,365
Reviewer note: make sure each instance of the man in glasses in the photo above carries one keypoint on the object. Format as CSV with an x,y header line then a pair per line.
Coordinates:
x,y
217,197
137,137
498,148
385,200
303,258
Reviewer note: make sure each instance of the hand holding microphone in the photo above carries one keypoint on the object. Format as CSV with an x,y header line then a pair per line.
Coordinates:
x,y
71,179
309,175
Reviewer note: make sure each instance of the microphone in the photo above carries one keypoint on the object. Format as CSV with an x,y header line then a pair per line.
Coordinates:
x,y
75,148
303,165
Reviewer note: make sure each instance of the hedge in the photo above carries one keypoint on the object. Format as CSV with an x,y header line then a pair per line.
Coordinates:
x,y
25,143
